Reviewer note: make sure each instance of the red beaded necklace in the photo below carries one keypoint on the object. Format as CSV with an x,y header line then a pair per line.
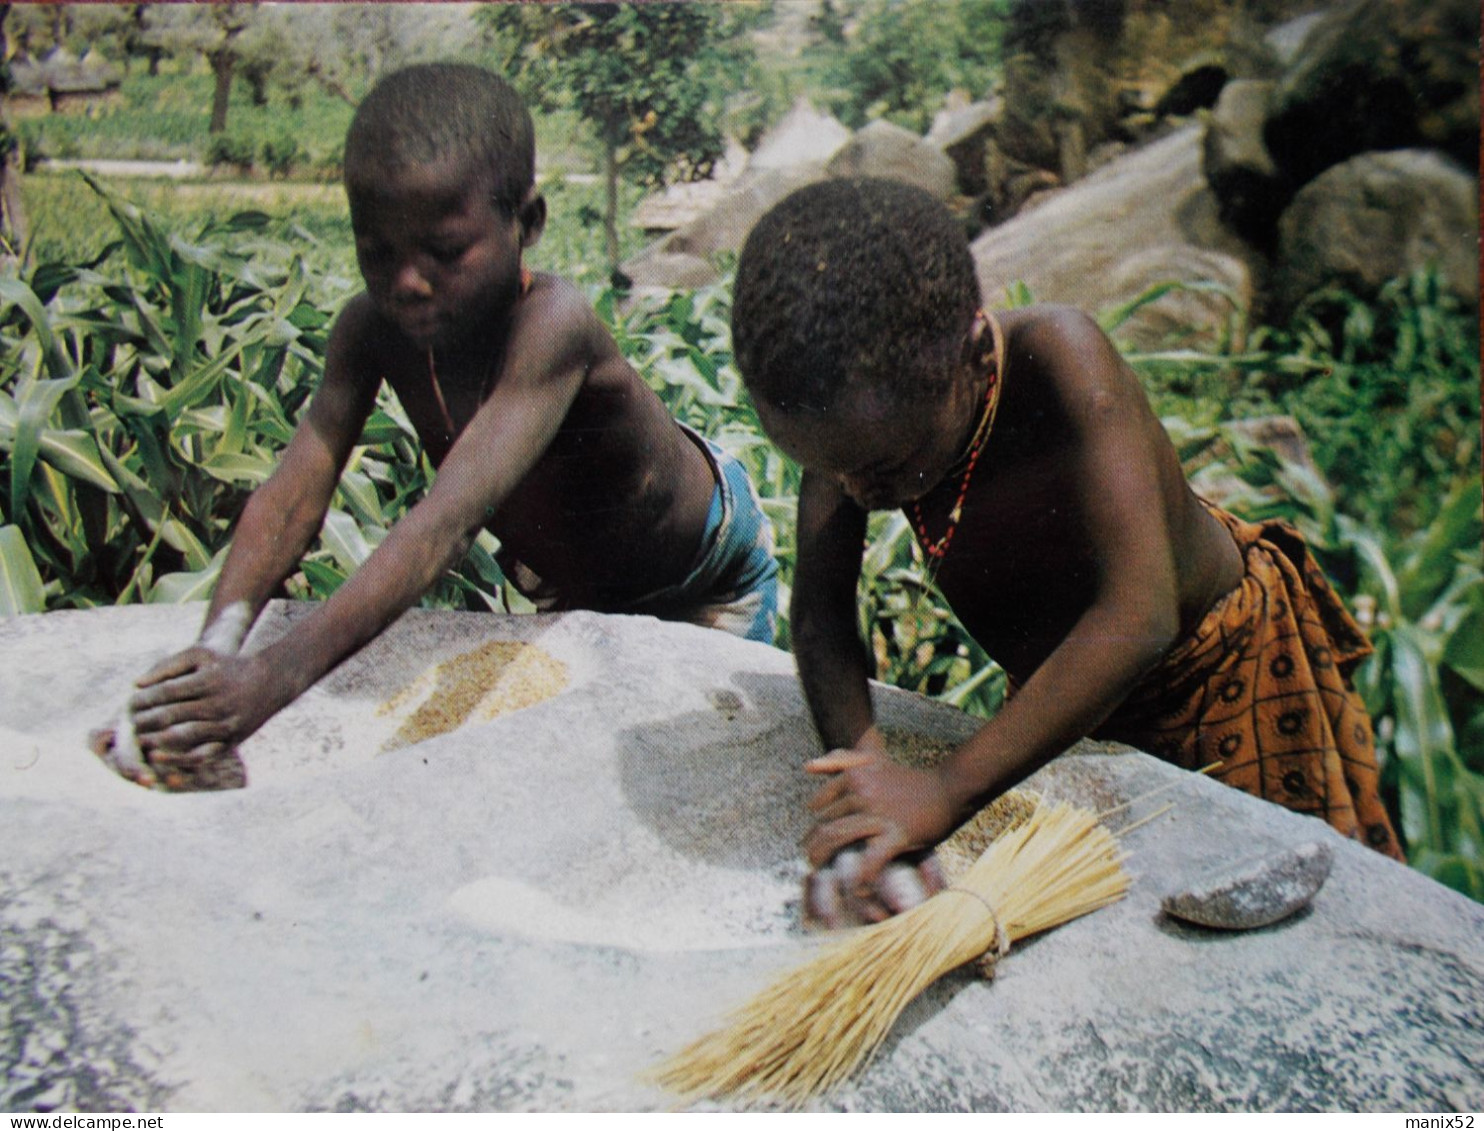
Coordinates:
x,y
937,549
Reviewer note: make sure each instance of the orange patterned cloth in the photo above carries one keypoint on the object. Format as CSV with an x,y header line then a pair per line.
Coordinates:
x,y
1263,687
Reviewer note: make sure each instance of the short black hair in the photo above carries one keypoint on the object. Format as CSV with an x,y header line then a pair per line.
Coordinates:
x,y
432,112
847,280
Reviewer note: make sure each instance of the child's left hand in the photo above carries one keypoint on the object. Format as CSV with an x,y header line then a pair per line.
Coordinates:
x,y
890,809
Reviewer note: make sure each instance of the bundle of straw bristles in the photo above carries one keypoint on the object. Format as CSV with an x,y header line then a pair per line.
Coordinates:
x,y
816,1025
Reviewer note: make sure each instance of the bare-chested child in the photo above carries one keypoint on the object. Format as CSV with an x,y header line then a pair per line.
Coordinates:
x,y
1051,504
539,429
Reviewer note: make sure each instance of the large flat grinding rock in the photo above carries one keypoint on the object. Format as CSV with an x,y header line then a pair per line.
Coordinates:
x,y
509,862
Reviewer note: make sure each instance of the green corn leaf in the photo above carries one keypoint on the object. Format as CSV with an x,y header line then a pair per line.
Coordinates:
x,y
345,541
1376,564
239,467
75,455
323,578
233,437
21,589
1423,741
382,428
199,383
1431,564
1464,652
16,293
147,248
72,452
181,588
151,434
1457,871
360,495
35,406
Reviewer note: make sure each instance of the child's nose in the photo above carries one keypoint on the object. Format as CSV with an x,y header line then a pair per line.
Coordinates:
x,y
410,282
863,488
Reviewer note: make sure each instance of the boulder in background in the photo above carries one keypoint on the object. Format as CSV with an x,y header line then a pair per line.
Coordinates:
x,y
1374,218
882,149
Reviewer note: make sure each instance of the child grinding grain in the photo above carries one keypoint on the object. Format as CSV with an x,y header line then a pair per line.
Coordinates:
x,y
1051,505
540,431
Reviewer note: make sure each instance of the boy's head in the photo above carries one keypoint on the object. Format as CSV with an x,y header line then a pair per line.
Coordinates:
x,y
440,174
854,325
444,114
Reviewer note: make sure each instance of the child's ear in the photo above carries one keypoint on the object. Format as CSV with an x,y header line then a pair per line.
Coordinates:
x,y
532,219
979,346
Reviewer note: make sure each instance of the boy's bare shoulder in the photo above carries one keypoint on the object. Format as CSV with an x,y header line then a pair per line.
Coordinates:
x,y
561,308
1053,332
1064,349
555,313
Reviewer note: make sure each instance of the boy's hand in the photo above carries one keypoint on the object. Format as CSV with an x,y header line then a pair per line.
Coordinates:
x,y
198,704
890,809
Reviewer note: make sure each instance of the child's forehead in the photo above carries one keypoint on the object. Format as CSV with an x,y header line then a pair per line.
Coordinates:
x,y
870,402
431,188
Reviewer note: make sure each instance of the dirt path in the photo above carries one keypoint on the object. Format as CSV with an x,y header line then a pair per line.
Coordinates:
x,y
261,193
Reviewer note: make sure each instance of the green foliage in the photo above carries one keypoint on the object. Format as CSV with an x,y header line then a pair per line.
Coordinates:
x,y
1394,408
906,55
650,80
683,347
70,223
143,395
1387,392
235,149
165,117
280,155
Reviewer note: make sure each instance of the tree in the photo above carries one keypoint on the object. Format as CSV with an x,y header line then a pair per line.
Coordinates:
x,y
651,80
212,30
900,57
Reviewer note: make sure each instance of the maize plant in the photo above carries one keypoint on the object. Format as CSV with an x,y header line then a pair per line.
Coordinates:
x,y
143,395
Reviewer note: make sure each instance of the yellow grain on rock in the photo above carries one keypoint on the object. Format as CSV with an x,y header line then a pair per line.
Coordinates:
x,y
494,679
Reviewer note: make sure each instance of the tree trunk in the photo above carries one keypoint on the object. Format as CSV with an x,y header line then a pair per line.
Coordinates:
x,y
222,62
610,210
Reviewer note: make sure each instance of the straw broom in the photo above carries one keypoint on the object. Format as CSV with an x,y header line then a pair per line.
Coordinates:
x,y
816,1025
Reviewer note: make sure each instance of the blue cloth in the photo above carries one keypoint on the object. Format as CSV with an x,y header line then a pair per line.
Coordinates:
x,y
733,585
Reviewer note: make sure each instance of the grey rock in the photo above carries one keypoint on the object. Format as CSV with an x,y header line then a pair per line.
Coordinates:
x,y
1374,218
1146,218
803,136
964,135
1287,39
1256,893
687,256
1237,164
526,913
882,149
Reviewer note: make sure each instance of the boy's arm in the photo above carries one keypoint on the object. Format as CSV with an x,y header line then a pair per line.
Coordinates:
x,y
284,514
277,525
834,666
1131,621
835,669
198,715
